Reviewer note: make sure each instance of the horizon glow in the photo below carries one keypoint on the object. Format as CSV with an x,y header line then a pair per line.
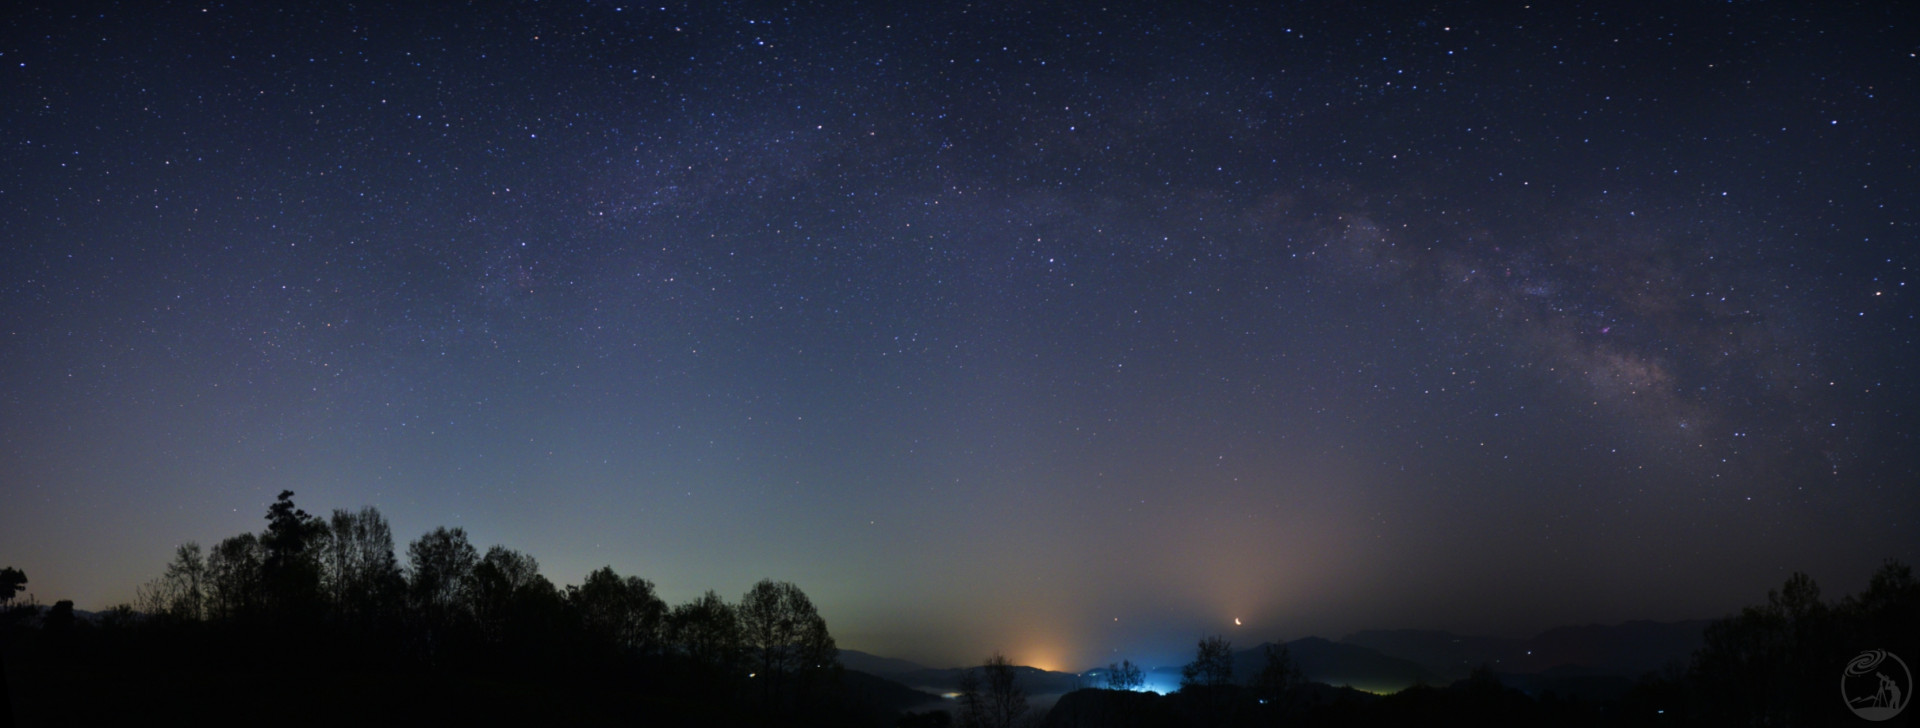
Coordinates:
x,y
1074,333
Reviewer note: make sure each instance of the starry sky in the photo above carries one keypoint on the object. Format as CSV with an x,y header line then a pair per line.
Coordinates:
x,y
1071,330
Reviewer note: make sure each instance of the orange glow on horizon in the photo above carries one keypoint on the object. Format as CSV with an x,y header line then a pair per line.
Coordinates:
x,y
1049,652
1045,659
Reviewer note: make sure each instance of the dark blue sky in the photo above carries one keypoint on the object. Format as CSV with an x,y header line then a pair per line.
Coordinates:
x,y
1074,332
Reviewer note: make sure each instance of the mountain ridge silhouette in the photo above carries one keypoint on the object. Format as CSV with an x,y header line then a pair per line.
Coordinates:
x,y
1390,660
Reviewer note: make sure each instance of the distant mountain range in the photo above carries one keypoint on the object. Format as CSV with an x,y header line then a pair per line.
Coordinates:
x,y
1629,649
876,665
946,680
1591,660
870,689
1339,663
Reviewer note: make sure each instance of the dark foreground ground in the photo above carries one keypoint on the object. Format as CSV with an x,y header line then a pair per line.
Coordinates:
x,y
131,676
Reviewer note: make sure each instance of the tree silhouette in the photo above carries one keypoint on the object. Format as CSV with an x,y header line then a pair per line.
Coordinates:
x,y
972,704
1212,665
622,612
1278,678
290,569
439,564
118,616
707,630
783,634
12,580
1206,684
1883,615
1124,675
463,620
362,577
501,586
186,579
179,592
60,617
1774,663
1756,667
1004,701
1769,664
234,578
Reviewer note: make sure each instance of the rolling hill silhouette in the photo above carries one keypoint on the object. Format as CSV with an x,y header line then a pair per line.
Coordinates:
x,y
1625,650
1593,660
1338,663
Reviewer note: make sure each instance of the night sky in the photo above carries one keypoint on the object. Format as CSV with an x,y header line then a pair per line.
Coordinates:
x,y
1073,331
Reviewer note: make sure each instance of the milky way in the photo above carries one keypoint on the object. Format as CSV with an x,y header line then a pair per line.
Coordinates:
x,y
1074,332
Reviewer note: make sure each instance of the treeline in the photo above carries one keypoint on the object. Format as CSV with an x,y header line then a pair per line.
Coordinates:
x,y
316,619
1772,664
